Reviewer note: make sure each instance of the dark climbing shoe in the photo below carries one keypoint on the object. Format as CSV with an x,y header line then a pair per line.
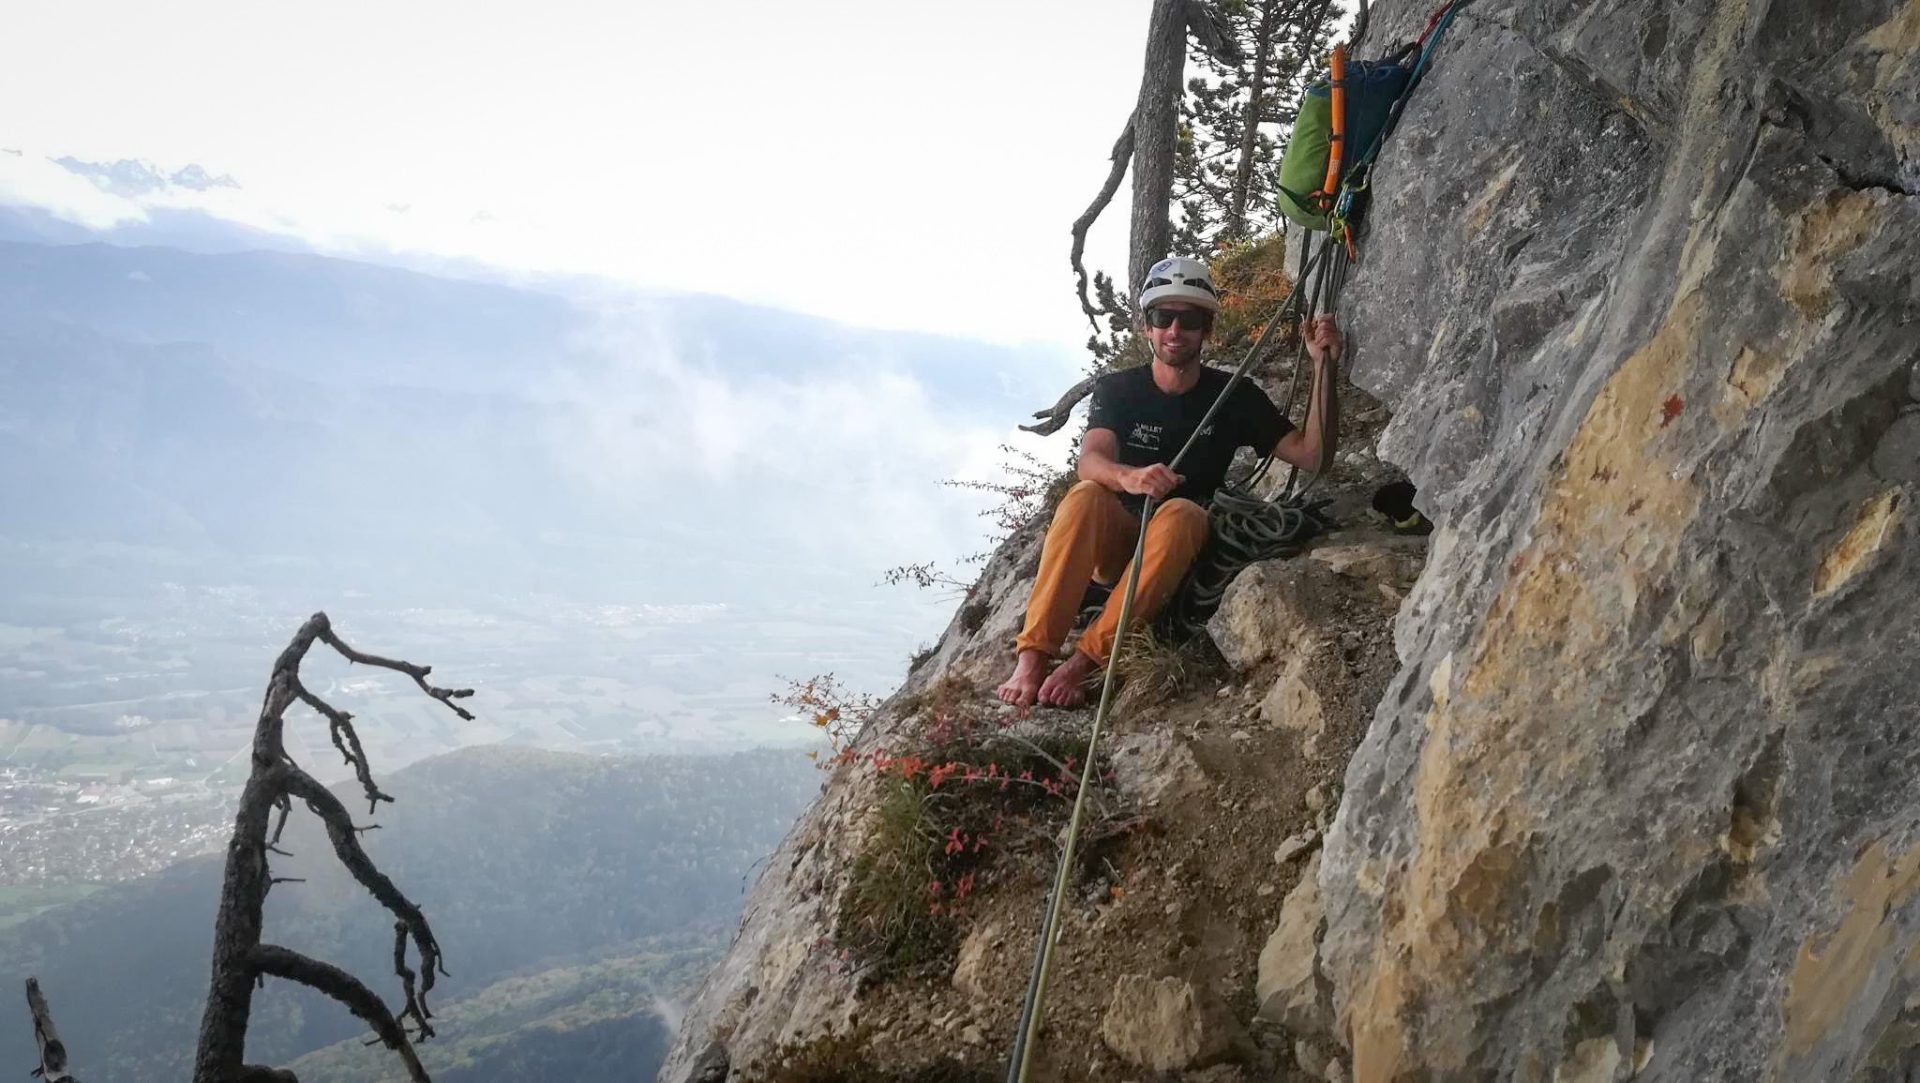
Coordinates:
x,y
1395,501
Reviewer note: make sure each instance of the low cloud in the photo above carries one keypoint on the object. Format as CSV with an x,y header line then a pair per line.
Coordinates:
x,y
841,461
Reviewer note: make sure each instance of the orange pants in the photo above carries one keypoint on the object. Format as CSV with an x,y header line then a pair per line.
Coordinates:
x,y
1092,534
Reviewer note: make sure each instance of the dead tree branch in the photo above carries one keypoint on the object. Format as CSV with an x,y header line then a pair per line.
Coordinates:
x,y
1056,415
418,673
281,962
1122,154
53,1052
240,959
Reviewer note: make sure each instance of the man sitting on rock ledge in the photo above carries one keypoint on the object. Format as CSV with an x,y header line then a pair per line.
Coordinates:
x,y
1140,419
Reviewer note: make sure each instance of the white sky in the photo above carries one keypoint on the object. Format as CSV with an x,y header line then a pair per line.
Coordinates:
x,y
885,163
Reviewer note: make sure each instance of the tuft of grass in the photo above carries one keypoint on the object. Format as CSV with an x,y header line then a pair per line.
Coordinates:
x,y
1155,667
947,698
885,913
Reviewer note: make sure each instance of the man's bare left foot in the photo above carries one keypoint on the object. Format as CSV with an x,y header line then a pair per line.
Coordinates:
x,y
1067,685
1028,671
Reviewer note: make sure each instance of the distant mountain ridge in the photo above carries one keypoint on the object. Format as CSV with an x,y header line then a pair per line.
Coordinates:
x,y
330,320
134,177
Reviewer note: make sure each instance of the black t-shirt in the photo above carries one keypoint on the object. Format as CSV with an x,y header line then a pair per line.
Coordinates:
x,y
1152,426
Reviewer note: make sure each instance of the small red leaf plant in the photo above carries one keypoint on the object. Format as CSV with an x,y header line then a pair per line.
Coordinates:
x,y
829,706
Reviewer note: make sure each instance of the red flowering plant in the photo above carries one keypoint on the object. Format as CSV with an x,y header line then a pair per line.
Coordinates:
x,y
954,819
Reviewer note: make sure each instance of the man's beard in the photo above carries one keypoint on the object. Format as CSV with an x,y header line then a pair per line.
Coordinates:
x,y
1184,358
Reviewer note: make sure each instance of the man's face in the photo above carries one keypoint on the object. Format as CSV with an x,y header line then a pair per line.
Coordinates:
x,y
1174,345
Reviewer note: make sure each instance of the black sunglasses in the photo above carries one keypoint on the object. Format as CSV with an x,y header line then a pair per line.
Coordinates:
x,y
1189,319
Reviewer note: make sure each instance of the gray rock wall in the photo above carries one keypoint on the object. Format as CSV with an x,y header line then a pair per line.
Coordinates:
x,y
1645,801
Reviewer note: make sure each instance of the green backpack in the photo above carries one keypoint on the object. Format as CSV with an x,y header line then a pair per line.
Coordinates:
x,y
1371,89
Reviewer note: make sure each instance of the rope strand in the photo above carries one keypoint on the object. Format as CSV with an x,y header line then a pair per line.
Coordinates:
x,y
1254,529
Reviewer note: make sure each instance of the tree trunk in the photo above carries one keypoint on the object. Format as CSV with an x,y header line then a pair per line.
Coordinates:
x,y
1156,127
1236,224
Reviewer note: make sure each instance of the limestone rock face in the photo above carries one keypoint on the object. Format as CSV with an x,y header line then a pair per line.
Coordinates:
x,y
1166,1025
1645,800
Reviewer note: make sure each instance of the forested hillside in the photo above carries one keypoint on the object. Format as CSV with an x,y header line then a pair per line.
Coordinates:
x,y
580,874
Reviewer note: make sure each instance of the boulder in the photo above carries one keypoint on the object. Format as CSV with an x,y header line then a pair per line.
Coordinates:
x,y
970,967
1293,704
1273,609
1391,560
1150,768
1294,845
1168,1025
1288,985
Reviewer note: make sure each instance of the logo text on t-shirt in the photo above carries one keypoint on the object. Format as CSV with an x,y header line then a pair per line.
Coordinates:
x,y
1144,435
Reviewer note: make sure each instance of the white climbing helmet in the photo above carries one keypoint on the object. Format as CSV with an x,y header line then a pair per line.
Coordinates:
x,y
1179,279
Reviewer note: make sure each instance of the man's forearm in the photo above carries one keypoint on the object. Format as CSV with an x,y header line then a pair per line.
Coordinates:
x,y
1099,469
1323,416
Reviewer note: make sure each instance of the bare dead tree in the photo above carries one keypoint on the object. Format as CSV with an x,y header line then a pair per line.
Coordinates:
x,y
53,1053
241,961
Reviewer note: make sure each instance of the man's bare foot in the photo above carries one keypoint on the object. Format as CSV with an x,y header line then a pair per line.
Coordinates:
x,y
1028,671
1067,685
